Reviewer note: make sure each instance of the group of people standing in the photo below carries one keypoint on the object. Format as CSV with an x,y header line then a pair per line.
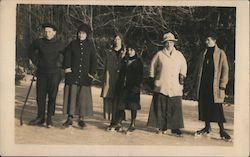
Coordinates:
x,y
123,75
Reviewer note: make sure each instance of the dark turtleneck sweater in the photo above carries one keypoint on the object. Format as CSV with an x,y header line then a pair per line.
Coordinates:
x,y
46,55
208,69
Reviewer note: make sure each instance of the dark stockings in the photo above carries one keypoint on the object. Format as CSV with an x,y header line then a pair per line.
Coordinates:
x,y
221,126
133,117
207,125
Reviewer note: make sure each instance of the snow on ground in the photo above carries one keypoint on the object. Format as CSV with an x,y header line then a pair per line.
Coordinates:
x,y
95,133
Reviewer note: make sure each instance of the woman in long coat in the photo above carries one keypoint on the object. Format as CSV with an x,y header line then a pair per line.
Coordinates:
x,y
80,67
111,72
168,70
211,84
128,87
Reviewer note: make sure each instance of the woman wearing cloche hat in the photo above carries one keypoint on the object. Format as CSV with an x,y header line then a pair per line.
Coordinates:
x,y
80,67
168,70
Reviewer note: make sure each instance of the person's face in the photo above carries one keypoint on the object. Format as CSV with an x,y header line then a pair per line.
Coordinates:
x,y
210,42
118,41
131,52
82,35
49,33
169,45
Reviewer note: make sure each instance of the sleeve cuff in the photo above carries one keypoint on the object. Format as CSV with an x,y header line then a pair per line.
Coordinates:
x,y
222,88
67,70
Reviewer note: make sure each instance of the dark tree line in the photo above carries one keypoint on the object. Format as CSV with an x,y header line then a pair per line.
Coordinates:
x,y
144,25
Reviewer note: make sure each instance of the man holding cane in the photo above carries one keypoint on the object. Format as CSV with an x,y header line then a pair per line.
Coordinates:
x,y
46,53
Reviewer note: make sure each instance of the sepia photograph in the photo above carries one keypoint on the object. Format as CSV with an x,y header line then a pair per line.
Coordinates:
x,y
125,79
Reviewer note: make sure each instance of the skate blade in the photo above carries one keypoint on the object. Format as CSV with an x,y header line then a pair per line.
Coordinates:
x,y
226,140
200,135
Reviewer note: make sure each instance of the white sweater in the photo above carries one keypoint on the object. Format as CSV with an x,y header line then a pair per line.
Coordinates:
x,y
165,68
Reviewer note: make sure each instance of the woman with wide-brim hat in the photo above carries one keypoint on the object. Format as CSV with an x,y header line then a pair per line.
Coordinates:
x,y
80,66
167,72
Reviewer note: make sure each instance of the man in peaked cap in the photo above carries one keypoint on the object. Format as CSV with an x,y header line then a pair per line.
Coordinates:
x,y
46,55
50,25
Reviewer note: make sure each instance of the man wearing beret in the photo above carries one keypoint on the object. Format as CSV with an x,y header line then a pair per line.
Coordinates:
x,y
46,54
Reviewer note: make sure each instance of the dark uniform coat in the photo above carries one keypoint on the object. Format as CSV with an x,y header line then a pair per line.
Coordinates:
x,y
47,56
81,58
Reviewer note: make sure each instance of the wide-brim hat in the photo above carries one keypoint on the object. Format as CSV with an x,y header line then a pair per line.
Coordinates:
x,y
50,25
169,37
84,27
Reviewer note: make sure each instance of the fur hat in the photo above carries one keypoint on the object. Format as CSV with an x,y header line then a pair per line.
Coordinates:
x,y
84,27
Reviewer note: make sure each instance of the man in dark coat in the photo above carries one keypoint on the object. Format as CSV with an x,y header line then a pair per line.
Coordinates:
x,y
46,55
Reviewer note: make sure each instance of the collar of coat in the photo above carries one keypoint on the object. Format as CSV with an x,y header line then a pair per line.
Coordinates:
x,y
169,53
216,54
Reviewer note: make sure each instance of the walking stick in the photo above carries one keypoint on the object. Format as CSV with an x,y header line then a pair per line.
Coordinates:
x,y
27,96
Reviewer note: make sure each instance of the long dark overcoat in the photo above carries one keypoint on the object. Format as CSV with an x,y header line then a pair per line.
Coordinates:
x,y
111,72
128,83
80,57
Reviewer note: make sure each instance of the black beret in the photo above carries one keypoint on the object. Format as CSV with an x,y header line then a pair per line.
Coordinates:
x,y
49,25
131,44
84,27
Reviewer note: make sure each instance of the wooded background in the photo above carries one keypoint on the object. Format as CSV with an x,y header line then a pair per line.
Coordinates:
x,y
144,25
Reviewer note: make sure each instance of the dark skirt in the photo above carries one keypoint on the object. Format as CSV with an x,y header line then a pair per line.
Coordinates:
x,y
77,100
208,110
166,112
129,100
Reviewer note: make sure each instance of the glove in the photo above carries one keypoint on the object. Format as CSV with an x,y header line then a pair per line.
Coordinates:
x,y
136,90
181,79
151,83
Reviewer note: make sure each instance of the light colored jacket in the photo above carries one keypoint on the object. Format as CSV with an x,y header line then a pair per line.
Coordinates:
x,y
221,71
165,69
